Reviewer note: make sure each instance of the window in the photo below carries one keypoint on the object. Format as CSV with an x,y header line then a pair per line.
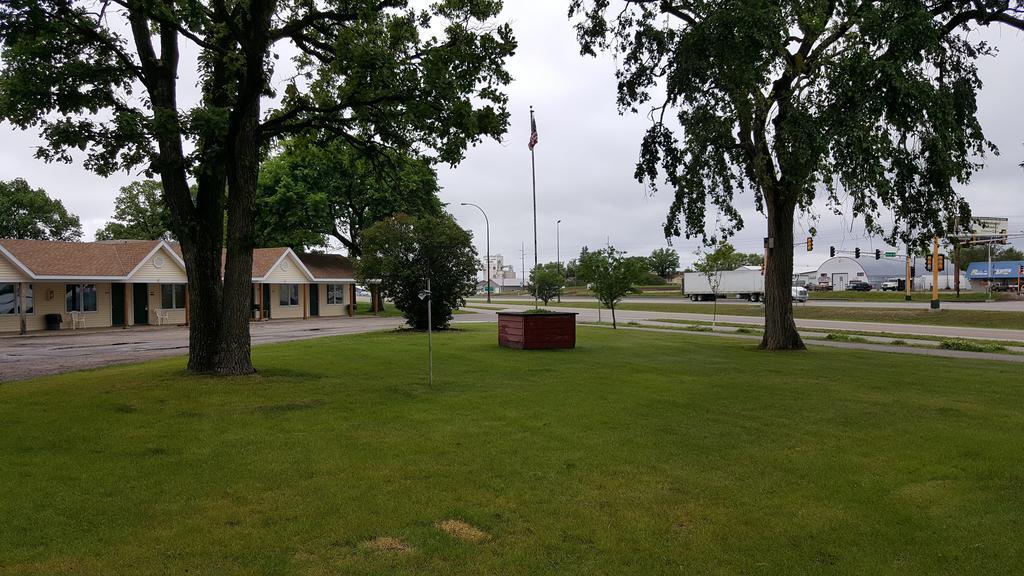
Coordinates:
x,y
80,298
335,293
172,296
8,299
289,294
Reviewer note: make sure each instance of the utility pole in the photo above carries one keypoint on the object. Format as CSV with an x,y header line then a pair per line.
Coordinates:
x,y
522,259
558,254
935,272
989,297
909,282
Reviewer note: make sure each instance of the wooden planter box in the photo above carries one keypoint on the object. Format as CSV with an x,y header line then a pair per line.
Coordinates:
x,y
537,331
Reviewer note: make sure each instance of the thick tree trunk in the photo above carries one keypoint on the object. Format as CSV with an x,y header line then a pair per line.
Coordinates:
x,y
779,329
234,357
202,258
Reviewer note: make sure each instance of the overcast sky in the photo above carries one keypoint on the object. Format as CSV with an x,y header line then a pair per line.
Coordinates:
x,y
586,156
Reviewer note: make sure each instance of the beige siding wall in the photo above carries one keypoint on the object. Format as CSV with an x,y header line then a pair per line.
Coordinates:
x,y
9,272
292,274
279,312
169,273
49,299
333,309
174,316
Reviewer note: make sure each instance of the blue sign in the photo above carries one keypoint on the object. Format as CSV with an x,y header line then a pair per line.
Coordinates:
x,y
1000,270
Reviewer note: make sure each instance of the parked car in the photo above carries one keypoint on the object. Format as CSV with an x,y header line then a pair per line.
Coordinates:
x,y
818,287
859,286
894,285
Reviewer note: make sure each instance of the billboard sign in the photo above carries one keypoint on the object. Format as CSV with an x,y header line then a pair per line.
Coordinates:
x,y
989,229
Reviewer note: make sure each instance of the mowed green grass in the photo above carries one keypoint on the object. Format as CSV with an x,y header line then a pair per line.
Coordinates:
x,y
636,453
918,316
890,296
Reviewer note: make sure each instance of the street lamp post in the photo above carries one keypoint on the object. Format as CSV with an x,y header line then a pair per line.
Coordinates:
x,y
558,255
487,267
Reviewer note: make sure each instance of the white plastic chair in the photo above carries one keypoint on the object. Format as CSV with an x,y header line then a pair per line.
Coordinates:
x,y
161,317
77,320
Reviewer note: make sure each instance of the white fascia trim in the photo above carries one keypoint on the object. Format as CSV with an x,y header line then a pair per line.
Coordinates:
x,y
161,244
287,251
85,278
16,262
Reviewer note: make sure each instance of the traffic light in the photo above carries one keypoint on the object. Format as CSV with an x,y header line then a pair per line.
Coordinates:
x,y
942,262
810,243
878,254
856,252
831,251
928,262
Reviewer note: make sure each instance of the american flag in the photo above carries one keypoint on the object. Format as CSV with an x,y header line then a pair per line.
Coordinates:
x,y
533,131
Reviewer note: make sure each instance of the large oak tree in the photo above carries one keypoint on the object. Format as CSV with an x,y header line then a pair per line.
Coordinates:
x,y
311,192
29,213
867,102
109,80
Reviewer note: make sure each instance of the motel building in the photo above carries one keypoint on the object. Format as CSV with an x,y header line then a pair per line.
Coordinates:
x,y
143,282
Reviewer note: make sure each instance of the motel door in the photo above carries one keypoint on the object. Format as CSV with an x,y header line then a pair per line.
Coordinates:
x,y
314,299
840,281
266,301
140,303
117,311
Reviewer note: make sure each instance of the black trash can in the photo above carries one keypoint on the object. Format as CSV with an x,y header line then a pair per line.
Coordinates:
x,y
53,321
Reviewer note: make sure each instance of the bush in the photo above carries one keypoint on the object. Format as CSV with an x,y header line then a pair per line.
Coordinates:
x,y
968,346
403,250
839,337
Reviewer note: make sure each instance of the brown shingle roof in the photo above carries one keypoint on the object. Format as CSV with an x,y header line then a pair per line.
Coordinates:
x,y
117,258
263,259
80,259
328,266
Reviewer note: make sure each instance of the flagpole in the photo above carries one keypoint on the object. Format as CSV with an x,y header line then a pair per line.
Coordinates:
x,y
533,173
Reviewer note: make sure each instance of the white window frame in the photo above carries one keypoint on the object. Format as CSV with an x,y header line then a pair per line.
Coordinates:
x,y
81,298
16,292
339,300
175,305
289,290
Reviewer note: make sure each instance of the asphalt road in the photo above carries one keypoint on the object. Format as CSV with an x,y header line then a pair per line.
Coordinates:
x,y
44,353
592,315
1006,306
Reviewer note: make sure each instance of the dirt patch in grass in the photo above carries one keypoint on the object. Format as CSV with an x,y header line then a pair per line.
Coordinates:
x,y
386,544
463,531
289,407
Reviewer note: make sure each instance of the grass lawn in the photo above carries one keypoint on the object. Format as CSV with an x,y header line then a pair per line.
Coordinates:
x,y
636,453
946,317
879,296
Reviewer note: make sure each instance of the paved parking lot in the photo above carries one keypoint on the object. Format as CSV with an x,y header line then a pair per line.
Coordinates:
x,y
43,353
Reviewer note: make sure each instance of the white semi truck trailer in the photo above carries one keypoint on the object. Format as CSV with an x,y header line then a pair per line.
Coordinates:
x,y
744,284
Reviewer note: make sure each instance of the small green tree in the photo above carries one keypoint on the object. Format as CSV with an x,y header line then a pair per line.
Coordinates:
x,y
403,251
611,275
664,262
30,214
139,214
546,281
711,264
